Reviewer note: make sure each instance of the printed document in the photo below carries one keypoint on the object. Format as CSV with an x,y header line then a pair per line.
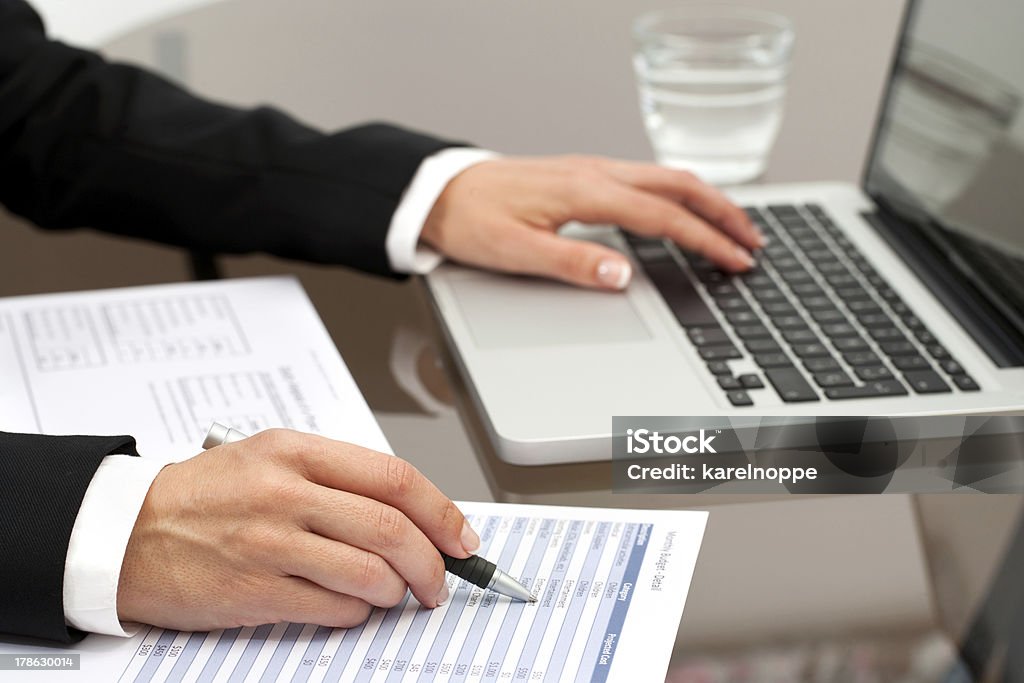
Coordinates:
x,y
163,362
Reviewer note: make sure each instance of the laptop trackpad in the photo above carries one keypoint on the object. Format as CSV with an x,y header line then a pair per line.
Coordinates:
x,y
509,312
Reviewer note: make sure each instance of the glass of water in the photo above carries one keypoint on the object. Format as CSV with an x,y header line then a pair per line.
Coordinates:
x,y
712,80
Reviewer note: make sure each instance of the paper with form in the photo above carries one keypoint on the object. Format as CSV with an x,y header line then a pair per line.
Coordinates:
x,y
611,586
161,363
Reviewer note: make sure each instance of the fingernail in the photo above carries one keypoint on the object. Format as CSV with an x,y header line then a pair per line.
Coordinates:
x,y
470,541
442,596
745,257
762,241
614,273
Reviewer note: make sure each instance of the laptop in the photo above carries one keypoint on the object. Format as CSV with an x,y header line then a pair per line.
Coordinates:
x,y
903,296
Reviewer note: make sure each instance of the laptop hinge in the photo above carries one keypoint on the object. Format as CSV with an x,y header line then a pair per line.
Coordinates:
x,y
982,319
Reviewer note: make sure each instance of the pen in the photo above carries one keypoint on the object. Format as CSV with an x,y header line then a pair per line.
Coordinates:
x,y
474,569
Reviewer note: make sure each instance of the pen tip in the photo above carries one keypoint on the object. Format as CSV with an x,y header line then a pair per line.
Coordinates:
x,y
533,598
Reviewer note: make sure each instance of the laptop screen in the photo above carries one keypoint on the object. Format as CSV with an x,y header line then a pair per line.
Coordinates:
x,y
949,147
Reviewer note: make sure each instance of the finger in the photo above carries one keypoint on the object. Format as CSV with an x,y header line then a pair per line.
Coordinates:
x,y
342,568
389,479
301,601
647,214
706,200
537,252
392,541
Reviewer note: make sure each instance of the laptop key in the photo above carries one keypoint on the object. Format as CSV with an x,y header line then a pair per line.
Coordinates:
x,y
913,322
789,322
787,264
815,303
810,350
850,344
872,373
723,352
874,320
816,365
779,308
708,336
859,358
752,331
742,317
791,385
938,352
762,346
733,303
911,363
951,367
723,289
828,316
711,277
807,289
758,279
800,336
680,295
898,348
772,360
833,268
881,334
719,367
751,381
889,294
833,379
818,254
965,383
768,294
872,390
926,382
841,280
795,277
853,294
864,307
838,330
899,308
777,250
728,382
739,398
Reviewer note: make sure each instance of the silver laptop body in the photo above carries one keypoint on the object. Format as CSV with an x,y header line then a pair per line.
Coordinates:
x,y
925,261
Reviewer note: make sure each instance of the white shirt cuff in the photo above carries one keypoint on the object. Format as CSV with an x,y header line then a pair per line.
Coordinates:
x,y
98,542
405,253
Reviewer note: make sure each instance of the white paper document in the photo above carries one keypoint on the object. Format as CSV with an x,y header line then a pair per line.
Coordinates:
x,y
161,363
611,586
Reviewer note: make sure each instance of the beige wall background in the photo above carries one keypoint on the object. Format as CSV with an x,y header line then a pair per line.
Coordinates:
x,y
527,76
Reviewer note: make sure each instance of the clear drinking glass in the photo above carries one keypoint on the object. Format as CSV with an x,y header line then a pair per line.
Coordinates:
x,y
712,80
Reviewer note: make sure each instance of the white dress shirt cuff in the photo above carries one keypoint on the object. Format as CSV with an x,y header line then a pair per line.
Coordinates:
x,y
98,542
405,253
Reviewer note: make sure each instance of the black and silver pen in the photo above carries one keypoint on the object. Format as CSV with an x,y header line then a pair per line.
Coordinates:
x,y
474,569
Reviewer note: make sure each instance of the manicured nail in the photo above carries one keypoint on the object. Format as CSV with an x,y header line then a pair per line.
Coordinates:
x,y
614,273
470,541
745,257
442,597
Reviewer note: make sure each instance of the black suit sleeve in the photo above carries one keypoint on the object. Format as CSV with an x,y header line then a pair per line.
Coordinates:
x,y
87,143
42,482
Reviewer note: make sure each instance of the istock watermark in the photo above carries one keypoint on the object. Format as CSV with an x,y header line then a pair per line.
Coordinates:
x,y
826,454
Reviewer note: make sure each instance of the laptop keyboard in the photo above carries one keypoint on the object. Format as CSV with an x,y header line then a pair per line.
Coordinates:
x,y
814,316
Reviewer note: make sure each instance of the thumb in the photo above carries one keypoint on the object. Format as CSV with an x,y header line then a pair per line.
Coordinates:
x,y
570,260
